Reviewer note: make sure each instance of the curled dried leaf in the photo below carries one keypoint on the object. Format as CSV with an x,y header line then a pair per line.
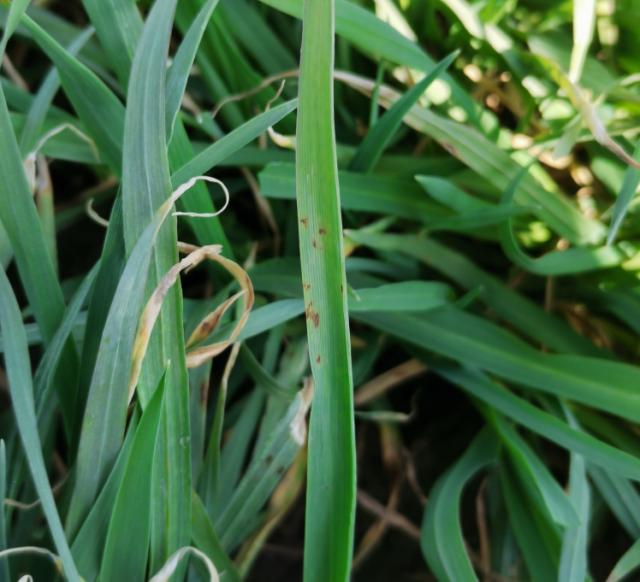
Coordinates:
x,y
152,309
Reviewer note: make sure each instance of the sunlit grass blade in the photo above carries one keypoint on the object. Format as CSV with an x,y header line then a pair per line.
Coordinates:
x,y
584,24
331,468
18,367
379,136
375,37
625,196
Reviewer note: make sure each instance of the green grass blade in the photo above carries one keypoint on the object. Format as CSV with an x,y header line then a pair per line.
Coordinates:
x,y
16,10
403,296
625,196
376,37
441,538
112,261
611,459
105,414
5,575
119,25
372,147
537,539
127,543
205,538
45,373
584,24
621,497
378,194
43,99
524,314
88,545
571,261
19,376
146,182
241,513
575,541
331,469
19,217
178,74
99,109
598,383
231,143
496,166
629,562
548,491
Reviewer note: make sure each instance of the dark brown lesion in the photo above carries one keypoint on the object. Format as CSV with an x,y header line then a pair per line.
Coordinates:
x,y
322,231
304,221
318,359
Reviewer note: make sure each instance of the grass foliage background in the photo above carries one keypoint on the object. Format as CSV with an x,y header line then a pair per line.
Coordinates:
x,y
409,346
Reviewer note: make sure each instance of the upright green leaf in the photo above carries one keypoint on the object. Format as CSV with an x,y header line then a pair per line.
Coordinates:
x,y
146,182
119,25
379,136
573,557
20,219
331,469
183,61
127,544
17,9
21,388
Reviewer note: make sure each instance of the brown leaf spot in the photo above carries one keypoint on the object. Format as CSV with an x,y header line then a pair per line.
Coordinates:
x,y
322,231
314,316
314,243
304,222
318,359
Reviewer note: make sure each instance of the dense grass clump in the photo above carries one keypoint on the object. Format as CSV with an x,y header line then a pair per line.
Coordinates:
x,y
408,348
